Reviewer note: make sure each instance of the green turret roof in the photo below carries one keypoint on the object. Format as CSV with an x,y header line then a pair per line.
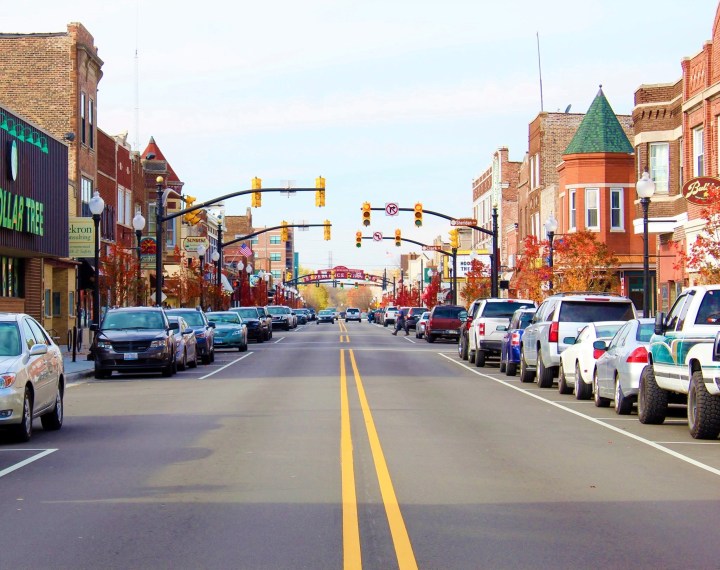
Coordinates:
x,y
600,131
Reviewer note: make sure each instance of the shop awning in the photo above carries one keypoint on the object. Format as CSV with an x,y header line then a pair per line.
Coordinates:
x,y
86,274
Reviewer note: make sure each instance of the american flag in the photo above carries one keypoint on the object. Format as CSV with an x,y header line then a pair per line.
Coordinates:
x,y
245,250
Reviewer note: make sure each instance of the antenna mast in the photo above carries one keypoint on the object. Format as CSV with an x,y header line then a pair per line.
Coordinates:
x,y
540,71
137,78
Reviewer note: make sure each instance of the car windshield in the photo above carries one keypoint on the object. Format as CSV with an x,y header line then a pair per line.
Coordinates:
x,y
525,319
193,318
247,313
9,339
133,320
593,311
606,331
645,331
224,318
278,310
504,308
425,315
325,313
447,312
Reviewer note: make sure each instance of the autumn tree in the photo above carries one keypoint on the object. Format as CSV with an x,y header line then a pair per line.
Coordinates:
x,y
532,273
119,283
703,254
360,297
431,291
582,263
316,297
185,284
477,282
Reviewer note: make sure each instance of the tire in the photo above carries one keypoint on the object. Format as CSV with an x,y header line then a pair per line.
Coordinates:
x,y
600,402
544,374
22,432
703,409
167,371
463,348
623,404
502,366
511,369
261,338
652,400
563,387
102,374
205,359
53,420
479,358
526,376
583,391
430,338
243,347
194,362
183,362
385,324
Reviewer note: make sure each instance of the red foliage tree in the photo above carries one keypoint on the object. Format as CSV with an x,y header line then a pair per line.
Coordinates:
x,y
703,254
477,284
582,263
531,272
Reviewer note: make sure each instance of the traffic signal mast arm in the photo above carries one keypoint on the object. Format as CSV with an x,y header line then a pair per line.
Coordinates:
x,y
265,230
412,241
439,215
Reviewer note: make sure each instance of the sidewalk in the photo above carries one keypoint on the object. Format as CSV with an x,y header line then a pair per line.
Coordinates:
x,y
80,369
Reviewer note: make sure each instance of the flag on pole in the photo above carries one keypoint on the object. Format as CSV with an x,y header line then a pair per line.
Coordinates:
x,y
245,250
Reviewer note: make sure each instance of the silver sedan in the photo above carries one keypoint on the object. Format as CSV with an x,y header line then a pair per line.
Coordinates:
x,y
617,371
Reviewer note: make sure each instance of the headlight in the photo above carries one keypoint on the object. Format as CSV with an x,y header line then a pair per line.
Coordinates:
x,y
106,344
235,333
7,379
157,344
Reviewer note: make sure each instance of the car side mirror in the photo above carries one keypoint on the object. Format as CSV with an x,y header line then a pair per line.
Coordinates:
x,y
600,345
660,323
38,349
569,340
174,326
211,325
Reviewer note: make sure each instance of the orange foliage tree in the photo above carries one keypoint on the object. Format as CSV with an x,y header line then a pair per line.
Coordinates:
x,y
477,282
703,254
184,285
582,263
531,272
431,291
119,285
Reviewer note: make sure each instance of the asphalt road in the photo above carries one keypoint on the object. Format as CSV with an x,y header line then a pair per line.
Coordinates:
x,y
341,446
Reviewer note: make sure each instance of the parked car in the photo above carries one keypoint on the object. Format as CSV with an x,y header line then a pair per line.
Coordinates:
x,y
258,328
134,339
412,314
230,330
301,316
326,316
265,315
390,316
617,371
379,317
421,324
352,314
312,313
445,322
559,317
185,343
204,331
32,377
282,317
577,361
484,338
463,342
510,348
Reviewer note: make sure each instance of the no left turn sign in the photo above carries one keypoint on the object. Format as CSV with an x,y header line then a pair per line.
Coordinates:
x,y
377,236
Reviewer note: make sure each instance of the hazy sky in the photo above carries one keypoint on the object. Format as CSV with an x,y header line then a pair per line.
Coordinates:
x,y
392,101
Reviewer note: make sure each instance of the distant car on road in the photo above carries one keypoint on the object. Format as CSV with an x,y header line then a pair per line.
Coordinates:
x,y
326,316
353,314
421,324
204,332
185,343
230,331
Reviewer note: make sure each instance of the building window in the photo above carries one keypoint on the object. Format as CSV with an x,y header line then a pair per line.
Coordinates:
x,y
660,166
276,274
573,211
128,208
254,241
86,192
537,170
121,206
56,302
698,152
83,126
275,257
71,303
682,176
91,123
275,240
48,301
616,209
592,209
151,219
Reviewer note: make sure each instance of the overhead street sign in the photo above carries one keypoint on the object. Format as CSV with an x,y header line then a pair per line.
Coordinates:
x,y
377,236
463,222
432,248
392,209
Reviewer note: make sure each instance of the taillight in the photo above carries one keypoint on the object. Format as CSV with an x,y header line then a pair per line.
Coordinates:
x,y
515,339
554,330
597,353
481,329
639,355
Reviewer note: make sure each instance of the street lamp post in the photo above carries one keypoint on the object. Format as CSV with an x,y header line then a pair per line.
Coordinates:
x,y
645,189
97,205
216,261
138,223
551,226
249,270
159,246
201,257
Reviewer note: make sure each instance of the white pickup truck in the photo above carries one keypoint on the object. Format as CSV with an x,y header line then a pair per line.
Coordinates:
x,y
684,363
484,337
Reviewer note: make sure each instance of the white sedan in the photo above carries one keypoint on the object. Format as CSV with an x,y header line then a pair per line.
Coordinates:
x,y
32,378
577,361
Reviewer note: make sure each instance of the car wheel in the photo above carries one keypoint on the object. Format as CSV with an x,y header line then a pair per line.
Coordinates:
x,y
600,401
544,374
194,362
583,391
53,420
167,371
385,324
212,354
463,348
206,359
526,376
652,400
502,366
22,432
243,347
563,387
430,338
101,374
510,369
183,362
623,404
703,409
260,338
479,358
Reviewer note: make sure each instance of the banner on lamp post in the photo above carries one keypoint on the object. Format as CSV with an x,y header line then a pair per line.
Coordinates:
x,y
81,237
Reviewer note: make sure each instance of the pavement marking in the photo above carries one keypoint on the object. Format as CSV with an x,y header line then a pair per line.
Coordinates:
x,y
351,530
224,367
27,461
401,540
278,340
653,444
689,442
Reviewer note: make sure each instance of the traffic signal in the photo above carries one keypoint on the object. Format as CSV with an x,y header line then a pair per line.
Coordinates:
x,y
342,285
358,239
366,214
418,214
454,239
327,230
398,238
356,285
256,201
320,192
190,217
284,232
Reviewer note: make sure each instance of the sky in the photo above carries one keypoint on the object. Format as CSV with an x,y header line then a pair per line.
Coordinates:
x,y
392,102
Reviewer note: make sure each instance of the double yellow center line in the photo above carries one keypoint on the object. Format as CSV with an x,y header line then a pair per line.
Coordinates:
x,y
343,329
351,531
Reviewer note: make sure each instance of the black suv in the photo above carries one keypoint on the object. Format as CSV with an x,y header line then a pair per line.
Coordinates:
x,y
258,326
412,315
204,331
134,339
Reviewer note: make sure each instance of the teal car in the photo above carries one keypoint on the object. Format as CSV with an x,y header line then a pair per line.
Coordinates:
x,y
230,331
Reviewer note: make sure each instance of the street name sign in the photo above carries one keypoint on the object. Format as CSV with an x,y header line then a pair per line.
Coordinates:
x,y
463,222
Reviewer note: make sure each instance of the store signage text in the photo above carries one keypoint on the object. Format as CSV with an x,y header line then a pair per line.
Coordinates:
x,y
697,190
21,213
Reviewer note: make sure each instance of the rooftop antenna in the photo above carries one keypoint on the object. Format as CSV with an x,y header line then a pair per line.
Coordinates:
x,y
137,77
537,34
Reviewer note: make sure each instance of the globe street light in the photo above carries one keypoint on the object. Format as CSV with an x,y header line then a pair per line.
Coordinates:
x,y
97,205
201,257
551,226
216,259
138,223
645,189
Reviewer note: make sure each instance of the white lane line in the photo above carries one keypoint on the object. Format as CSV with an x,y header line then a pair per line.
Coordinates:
x,y
407,338
637,438
224,367
278,340
26,461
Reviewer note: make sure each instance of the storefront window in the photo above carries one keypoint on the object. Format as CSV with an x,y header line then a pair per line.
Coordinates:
x,y
10,283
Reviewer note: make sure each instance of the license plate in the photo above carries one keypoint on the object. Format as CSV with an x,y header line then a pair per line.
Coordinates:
x,y
130,356
218,341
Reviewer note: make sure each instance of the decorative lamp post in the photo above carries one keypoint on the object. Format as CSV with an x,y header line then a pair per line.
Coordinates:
x,y
266,279
645,189
216,259
249,270
201,257
138,223
159,245
551,226
97,205
240,267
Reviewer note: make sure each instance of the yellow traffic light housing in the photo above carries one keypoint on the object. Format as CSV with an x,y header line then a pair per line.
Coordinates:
x,y
398,238
418,214
256,200
327,230
366,214
454,239
191,217
358,239
320,192
284,232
